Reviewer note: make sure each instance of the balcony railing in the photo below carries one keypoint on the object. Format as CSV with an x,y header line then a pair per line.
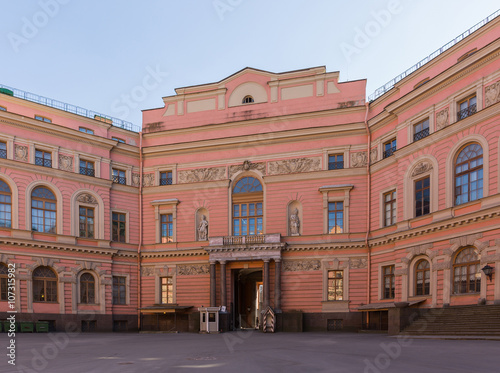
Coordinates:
x,y
3,153
119,180
467,112
389,152
87,171
167,181
336,165
420,135
43,162
245,240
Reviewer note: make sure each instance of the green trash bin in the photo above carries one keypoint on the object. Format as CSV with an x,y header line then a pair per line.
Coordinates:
x,y
1,327
42,327
27,327
6,326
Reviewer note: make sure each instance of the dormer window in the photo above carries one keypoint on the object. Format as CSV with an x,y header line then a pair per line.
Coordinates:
x,y
247,100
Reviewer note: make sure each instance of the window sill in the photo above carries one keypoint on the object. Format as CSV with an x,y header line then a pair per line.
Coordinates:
x,y
465,294
42,302
335,306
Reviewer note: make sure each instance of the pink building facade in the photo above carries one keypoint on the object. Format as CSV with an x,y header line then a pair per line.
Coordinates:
x,y
282,191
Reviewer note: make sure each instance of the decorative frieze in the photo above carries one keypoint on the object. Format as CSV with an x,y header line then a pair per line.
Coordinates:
x,y
373,155
296,165
65,163
201,174
21,153
359,159
247,166
147,271
442,119
301,265
193,269
422,168
148,180
356,263
136,179
492,94
87,198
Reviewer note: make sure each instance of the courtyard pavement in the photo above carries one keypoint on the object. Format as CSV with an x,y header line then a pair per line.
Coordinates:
x,y
246,351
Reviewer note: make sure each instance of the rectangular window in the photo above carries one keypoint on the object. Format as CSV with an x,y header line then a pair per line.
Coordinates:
x,y
43,119
87,168
390,208
335,217
119,227
389,148
388,281
3,108
466,108
118,139
335,161
86,222
422,196
335,285
166,178
86,130
3,150
119,290
3,282
421,130
167,290
43,158
119,177
167,228
247,219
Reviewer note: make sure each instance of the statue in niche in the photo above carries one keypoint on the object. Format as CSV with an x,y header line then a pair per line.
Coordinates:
x,y
295,223
203,229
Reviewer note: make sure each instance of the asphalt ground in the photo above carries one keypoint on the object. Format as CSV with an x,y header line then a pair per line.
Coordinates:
x,y
246,351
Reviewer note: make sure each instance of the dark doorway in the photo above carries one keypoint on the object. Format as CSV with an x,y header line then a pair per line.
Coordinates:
x,y
247,297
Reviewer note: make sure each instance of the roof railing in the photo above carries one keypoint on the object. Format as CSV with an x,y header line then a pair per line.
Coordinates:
x,y
72,109
389,85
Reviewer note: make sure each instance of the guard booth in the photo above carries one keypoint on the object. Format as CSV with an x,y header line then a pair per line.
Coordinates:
x,y
209,319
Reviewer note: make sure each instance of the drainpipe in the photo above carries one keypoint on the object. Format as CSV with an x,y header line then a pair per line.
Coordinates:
x,y
140,236
368,204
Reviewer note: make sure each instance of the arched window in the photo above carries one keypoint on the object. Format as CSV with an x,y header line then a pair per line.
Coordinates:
x,y
422,277
5,205
43,210
469,174
44,285
247,100
466,272
247,207
87,288
4,275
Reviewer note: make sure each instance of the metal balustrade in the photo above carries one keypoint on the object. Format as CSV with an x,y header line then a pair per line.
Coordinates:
x,y
389,152
120,180
87,171
420,135
336,165
167,181
39,161
467,112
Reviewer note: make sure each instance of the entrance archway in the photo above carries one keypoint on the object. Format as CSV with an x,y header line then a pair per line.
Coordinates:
x,y
247,297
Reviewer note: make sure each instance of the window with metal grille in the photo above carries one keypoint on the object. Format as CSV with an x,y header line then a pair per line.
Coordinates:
x,y
335,161
166,178
119,290
43,158
3,150
421,130
87,168
44,285
466,108
119,225
119,177
247,100
389,148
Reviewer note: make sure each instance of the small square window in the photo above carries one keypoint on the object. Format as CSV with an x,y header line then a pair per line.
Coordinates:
x,y
43,158
166,178
2,108
86,130
87,168
118,139
3,150
466,108
421,130
119,177
389,148
43,119
335,161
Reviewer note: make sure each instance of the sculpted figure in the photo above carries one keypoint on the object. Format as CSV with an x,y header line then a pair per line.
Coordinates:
x,y
295,223
203,229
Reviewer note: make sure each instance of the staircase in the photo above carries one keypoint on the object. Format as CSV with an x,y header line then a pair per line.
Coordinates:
x,y
458,320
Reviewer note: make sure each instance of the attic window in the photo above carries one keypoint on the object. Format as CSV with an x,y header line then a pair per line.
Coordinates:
x,y
468,54
421,83
247,100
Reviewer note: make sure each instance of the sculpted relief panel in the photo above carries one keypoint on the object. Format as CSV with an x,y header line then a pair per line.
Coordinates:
x,y
201,174
193,269
359,159
442,119
21,153
421,168
290,166
247,166
301,265
492,93
65,163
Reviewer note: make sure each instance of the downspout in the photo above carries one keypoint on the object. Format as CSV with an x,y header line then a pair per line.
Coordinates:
x,y
368,205
140,237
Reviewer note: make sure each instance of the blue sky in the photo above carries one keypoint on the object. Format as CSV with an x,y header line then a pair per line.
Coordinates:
x,y
118,57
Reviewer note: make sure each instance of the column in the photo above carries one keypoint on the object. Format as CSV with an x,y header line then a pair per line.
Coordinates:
x,y
266,283
212,284
277,285
223,294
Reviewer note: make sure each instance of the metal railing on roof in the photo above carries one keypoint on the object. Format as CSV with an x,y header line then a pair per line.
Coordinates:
x,y
72,109
389,85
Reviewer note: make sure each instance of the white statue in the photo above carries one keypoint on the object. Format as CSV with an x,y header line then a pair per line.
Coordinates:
x,y
295,223
203,229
